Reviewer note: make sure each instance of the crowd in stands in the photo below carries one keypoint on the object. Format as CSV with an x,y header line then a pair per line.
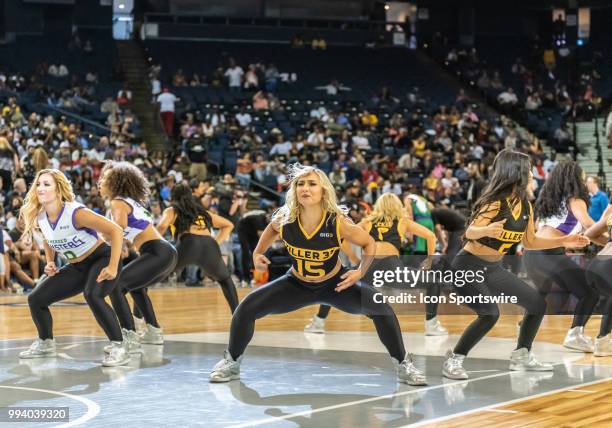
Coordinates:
x,y
232,154
541,86
254,77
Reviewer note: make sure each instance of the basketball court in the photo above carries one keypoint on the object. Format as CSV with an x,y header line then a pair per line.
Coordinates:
x,y
290,378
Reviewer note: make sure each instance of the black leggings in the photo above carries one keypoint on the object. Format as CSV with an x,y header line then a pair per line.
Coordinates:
x,y
379,263
547,266
71,280
287,294
497,280
133,255
248,242
204,252
156,261
433,289
599,273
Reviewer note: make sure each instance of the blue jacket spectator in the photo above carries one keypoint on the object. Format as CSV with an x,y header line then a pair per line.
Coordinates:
x,y
599,200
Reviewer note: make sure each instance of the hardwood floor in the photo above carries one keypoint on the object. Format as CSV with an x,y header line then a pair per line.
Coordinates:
x,y
186,310
588,406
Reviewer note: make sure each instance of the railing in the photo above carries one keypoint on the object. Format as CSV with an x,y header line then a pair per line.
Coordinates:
x,y
75,116
311,24
266,188
601,174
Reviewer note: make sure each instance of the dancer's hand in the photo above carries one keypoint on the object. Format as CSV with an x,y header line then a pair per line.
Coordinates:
x,y
494,230
349,278
50,269
107,274
260,262
576,241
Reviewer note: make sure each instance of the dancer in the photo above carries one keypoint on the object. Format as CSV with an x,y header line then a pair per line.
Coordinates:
x,y
562,207
312,226
388,226
419,211
449,227
192,225
599,274
127,189
502,217
71,229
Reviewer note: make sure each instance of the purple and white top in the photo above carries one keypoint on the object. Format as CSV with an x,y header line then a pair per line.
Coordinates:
x,y
566,222
63,235
138,219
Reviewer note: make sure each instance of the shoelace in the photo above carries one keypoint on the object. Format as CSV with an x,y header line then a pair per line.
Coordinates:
x,y
455,363
226,364
36,345
114,352
532,360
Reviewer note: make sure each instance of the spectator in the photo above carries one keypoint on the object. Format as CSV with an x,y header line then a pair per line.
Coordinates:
x,y
507,98
179,78
234,75
155,87
124,96
319,43
599,200
244,168
251,79
243,118
53,70
260,101
333,87
9,164
167,101
88,47
272,75
91,77
477,183
196,154
483,81
62,71
337,176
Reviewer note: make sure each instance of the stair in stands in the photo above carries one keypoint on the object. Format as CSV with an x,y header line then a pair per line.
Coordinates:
x,y
586,140
136,70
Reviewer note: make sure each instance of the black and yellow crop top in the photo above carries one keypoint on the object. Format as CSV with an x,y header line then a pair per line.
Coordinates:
x,y
384,231
201,221
313,255
514,227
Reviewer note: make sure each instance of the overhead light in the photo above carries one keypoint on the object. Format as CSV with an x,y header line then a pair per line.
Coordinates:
x,y
121,6
386,7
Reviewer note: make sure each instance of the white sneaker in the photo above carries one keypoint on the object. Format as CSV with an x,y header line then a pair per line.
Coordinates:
x,y
575,339
140,325
152,336
408,373
244,284
118,355
434,328
40,349
316,325
225,370
453,366
131,338
603,346
524,361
